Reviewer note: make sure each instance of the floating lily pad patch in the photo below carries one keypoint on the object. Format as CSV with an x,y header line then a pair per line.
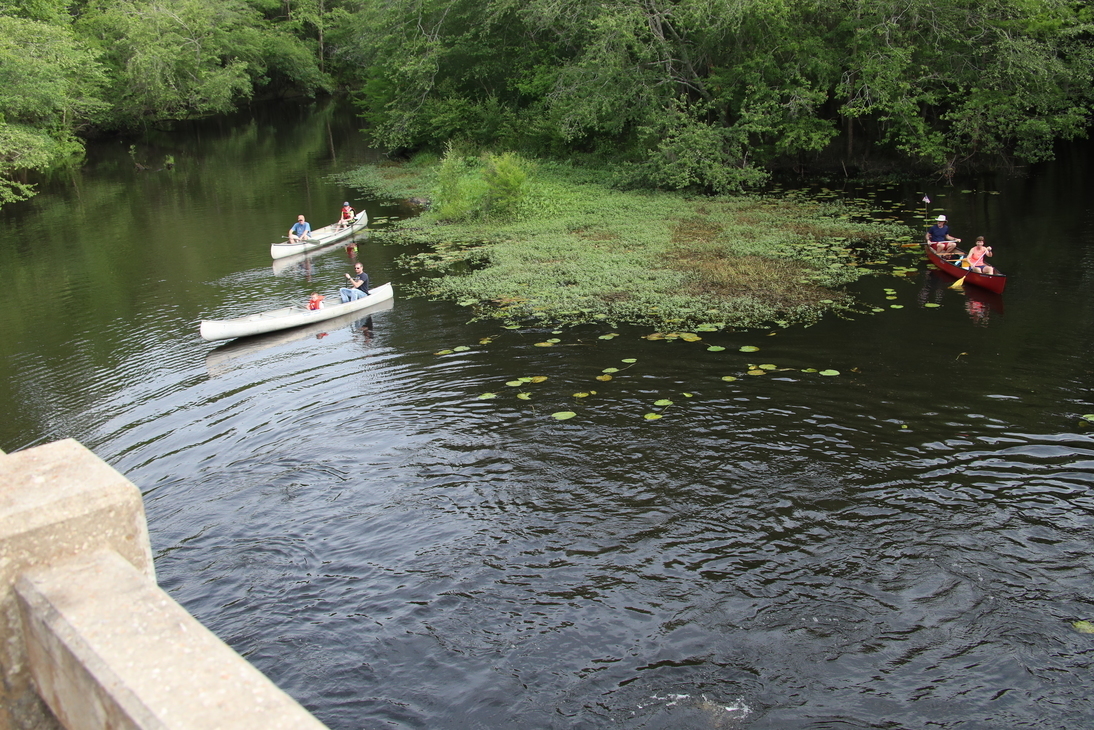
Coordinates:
x,y
662,402
545,344
563,415
524,396
461,348
750,348
809,370
443,352
715,348
1084,627
488,396
610,370
514,383
582,394
896,306
728,378
537,378
630,360
652,416
932,305
604,378
609,336
766,366
829,372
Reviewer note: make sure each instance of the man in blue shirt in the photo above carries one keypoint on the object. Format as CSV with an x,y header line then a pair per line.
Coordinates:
x,y
939,238
300,231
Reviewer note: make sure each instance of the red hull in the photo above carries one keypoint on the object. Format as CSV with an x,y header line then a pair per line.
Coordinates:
x,y
991,282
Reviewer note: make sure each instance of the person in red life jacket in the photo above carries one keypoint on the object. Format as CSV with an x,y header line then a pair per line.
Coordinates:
x,y
316,301
347,215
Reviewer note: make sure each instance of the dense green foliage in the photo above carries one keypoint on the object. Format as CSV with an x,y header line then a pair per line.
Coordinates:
x,y
69,67
706,93
700,94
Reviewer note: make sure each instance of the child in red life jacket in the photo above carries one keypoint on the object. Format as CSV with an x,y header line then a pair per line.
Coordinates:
x,y
316,301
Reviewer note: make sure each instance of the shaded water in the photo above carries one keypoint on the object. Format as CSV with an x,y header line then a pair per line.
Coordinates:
x,y
905,545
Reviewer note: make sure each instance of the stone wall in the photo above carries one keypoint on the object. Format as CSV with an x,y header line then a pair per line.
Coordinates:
x,y
88,641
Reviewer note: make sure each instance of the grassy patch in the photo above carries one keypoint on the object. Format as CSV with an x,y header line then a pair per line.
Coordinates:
x,y
578,251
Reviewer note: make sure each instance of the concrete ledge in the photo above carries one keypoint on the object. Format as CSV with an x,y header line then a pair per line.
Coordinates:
x,y
109,649
56,501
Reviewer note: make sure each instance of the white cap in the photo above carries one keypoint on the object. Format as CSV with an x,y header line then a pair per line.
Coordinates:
x,y
346,203
941,218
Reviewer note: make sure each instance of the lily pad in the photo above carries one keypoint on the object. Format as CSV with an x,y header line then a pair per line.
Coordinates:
x,y
896,306
932,305
630,360
1088,417
766,366
829,372
604,378
757,371
1084,627
715,348
610,370
563,415
662,402
554,340
461,348
443,352
488,396
537,378
750,348
611,336
514,383
545,344
581,395
652,416
524,396
728,378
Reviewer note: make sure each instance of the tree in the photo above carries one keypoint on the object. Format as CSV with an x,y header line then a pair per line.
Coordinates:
x,y
49,87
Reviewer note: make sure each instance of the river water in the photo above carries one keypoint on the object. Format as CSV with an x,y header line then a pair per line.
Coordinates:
x,y
904,545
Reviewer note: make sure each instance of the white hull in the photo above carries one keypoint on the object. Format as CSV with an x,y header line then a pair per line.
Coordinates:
x,y
279,319
325,236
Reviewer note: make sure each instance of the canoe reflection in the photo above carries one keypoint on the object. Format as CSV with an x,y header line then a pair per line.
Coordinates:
x,y
979,302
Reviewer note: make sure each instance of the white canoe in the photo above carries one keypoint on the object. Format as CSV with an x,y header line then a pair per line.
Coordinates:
x,y
279,319
325,236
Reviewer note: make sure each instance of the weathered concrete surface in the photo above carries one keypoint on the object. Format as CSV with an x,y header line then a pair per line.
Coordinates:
x,y
109,649
56,501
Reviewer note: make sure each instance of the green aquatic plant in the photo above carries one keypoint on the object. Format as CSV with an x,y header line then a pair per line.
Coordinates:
x,y
581,251
563,415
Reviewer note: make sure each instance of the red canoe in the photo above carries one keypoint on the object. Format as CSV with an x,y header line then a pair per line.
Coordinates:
x,y
991,282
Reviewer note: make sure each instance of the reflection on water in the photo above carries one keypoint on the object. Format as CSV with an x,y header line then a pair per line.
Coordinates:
x,y
905,545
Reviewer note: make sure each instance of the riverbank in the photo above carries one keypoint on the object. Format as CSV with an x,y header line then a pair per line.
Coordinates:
x,y
580,251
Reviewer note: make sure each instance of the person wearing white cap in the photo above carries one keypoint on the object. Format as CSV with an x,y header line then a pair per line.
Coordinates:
x,y
939,238
347,215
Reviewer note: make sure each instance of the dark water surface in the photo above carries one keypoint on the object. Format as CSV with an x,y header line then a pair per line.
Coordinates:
x,y
903,546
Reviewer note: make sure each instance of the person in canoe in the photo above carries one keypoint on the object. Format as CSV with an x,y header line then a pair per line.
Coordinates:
x,y
347,216
359,285
316,301
938,237
301,230
976,257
